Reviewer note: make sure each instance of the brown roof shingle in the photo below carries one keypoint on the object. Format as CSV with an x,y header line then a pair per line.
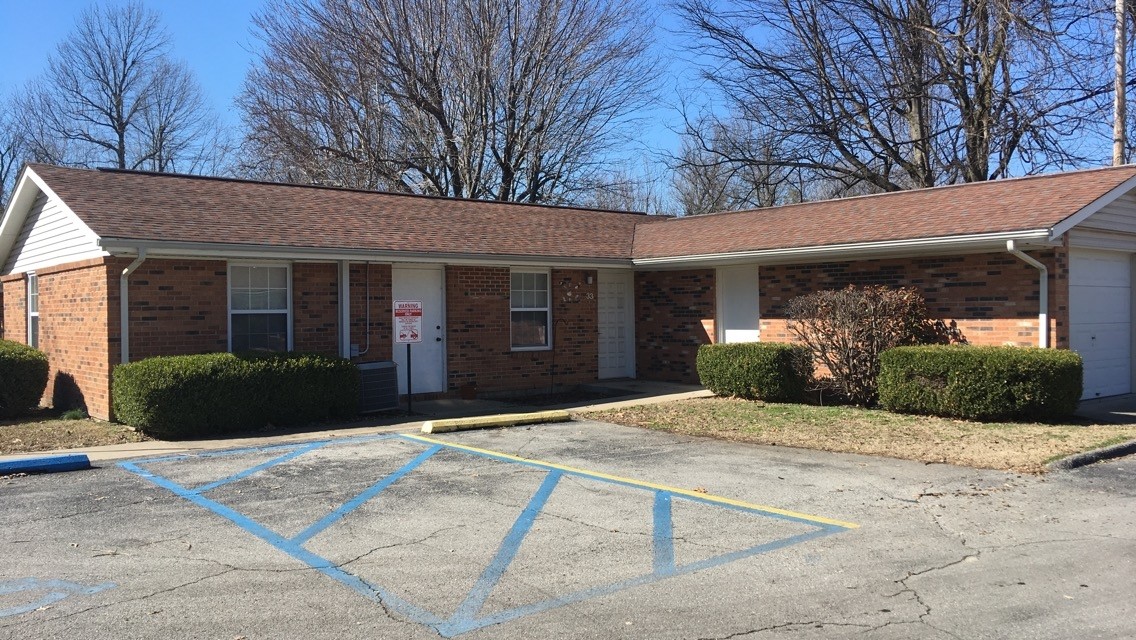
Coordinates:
x,y
1019,204
143,206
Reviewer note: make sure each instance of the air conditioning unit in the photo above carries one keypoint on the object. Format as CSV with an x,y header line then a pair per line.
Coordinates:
x,y
378,386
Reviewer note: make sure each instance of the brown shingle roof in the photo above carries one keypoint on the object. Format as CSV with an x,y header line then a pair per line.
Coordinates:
x,y
142,206
1019,204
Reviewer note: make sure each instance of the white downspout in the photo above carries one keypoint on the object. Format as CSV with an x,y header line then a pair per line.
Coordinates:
x,y
344,309
124,307
1043,293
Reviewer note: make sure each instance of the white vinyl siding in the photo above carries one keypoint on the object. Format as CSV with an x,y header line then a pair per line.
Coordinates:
x,y
1118,215
530,310
51,235
260,309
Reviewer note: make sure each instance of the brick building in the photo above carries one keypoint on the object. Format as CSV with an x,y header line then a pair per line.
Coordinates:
x,y
102,267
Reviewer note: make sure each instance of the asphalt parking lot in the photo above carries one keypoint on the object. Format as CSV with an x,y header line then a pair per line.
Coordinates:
x,y
580,530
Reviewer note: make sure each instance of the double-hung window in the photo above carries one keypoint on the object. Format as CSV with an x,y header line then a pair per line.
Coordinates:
x,y
33,310
530,311
259,309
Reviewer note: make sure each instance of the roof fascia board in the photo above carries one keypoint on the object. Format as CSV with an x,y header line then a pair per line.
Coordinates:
x,y
222,251
27,187
862,250
16,213
1096,205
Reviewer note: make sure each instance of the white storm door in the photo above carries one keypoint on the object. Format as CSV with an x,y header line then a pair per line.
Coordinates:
x,y
424,283
616,315
738,311
1100,319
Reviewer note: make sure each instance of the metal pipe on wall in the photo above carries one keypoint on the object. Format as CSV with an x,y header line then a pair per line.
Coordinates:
x,y
1043,293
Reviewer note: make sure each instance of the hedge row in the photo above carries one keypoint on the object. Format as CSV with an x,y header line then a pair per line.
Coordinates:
x,y
981,383
768,371
176,397
23,378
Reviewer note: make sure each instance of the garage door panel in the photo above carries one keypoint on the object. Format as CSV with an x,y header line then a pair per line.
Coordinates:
x,y
1107,339
1101,304
1100,318
1102,380
1100,268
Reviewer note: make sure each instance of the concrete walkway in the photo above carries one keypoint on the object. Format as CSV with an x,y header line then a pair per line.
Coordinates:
x,y
1114,410
638,392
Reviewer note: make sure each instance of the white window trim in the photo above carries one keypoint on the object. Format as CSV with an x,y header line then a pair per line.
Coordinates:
x,y
548,309
32,279
229,298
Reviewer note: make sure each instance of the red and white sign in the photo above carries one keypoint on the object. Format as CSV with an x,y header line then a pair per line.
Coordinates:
x,y
408,321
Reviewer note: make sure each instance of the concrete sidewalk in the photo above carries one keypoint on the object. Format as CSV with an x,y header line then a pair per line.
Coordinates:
x,y
1113,410
638,392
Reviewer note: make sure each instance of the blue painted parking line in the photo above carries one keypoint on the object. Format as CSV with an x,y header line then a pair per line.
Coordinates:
x,y
297,551
295,453
468,614
56,590
357,501
489,578
662,541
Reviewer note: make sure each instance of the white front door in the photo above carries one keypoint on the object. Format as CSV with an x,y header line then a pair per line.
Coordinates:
x,y
428,358
1100,319
616,324
738,311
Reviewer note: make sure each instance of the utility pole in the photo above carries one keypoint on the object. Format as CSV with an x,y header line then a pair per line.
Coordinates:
x,y
1120,110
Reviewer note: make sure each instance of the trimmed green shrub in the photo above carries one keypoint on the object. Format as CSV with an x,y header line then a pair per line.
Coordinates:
x,y
23,378
177,397
769,371
981,383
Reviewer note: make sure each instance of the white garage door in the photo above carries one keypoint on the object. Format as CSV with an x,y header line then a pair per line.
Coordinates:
x,y
1100,318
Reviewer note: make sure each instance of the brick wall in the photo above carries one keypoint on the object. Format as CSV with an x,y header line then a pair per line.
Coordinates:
x,y
992,297
377,298
74,314
478,338
14,297
315,307
177,307
674,315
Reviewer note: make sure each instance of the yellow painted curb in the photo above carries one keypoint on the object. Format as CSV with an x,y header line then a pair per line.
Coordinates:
x,y
501,420
647,485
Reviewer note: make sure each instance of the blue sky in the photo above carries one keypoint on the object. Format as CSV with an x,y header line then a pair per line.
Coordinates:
x,y
215,38
212,36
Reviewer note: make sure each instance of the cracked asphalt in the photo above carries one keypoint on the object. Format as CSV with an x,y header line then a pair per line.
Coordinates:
x,y
940,552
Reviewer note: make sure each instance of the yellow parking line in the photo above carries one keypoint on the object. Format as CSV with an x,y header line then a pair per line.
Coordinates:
x,y
640,483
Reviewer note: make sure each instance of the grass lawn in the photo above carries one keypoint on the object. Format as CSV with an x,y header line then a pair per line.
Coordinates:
x,y
1024,447
45,431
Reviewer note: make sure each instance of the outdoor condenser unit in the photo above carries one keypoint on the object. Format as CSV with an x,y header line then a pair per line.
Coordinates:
x,y
378,386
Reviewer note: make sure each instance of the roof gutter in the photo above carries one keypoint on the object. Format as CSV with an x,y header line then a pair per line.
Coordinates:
x,y
842,251
124,306
223,251
1042,293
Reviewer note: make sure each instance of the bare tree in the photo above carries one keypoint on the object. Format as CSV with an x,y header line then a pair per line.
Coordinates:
x,y
12,151
905,94
519,100
632,186
728,164
113,96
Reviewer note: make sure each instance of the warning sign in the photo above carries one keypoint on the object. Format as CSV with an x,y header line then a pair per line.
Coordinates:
x,y
408,321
